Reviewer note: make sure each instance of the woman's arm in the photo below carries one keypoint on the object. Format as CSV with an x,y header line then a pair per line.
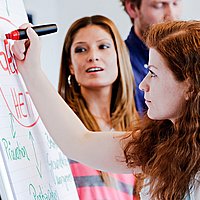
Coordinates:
x,y
99,150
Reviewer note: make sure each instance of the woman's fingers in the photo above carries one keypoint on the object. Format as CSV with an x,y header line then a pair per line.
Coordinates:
x,y
33,38
27,52
19,49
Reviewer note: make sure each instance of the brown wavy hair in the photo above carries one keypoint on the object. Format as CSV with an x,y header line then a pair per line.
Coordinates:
x,y
122,108
169,153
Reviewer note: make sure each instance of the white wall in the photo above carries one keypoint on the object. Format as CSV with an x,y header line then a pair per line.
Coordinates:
x,y
191,9
64,12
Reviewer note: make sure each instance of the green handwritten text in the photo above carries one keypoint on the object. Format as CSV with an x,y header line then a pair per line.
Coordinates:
x,y
41,195
17,152
51,143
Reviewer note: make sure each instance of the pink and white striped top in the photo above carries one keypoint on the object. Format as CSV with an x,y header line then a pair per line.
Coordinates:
x,y
90,185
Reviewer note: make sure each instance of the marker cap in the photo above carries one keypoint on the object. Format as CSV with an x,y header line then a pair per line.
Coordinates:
x,y
14,35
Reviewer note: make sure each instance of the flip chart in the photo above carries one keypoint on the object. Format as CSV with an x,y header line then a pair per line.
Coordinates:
x,y
31,164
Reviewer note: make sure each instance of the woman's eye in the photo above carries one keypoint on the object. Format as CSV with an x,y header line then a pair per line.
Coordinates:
x,y
152,74
104,46
79,49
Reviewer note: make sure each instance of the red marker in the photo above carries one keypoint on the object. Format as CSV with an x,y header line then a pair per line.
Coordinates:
x,y
20,34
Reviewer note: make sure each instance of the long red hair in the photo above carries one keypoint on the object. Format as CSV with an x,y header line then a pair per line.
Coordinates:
x,y
169,153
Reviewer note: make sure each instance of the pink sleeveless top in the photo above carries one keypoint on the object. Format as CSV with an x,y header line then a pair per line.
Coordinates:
x,y
90,185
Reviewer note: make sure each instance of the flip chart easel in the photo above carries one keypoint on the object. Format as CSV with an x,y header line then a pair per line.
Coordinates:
x,y
31,164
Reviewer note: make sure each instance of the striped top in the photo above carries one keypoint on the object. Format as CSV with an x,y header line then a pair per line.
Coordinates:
x,y
90,185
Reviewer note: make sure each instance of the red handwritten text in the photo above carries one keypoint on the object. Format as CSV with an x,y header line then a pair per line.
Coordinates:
x,y
7,62
22,103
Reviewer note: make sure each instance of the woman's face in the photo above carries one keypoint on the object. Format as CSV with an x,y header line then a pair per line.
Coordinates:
x,y
93,58
164,95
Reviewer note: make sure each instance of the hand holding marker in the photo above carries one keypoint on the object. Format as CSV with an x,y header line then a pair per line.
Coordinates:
x,y
20,34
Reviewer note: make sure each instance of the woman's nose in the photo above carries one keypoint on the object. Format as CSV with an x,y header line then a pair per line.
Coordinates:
x,y
144,85
93,56
93,59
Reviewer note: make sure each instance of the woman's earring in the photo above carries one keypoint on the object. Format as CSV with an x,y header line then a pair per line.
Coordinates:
x,y
69,80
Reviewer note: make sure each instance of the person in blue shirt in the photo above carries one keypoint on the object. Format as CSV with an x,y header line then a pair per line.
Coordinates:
x,y
144,13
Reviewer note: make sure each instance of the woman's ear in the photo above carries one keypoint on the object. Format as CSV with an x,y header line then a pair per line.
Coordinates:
x,y
131,9
71,69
